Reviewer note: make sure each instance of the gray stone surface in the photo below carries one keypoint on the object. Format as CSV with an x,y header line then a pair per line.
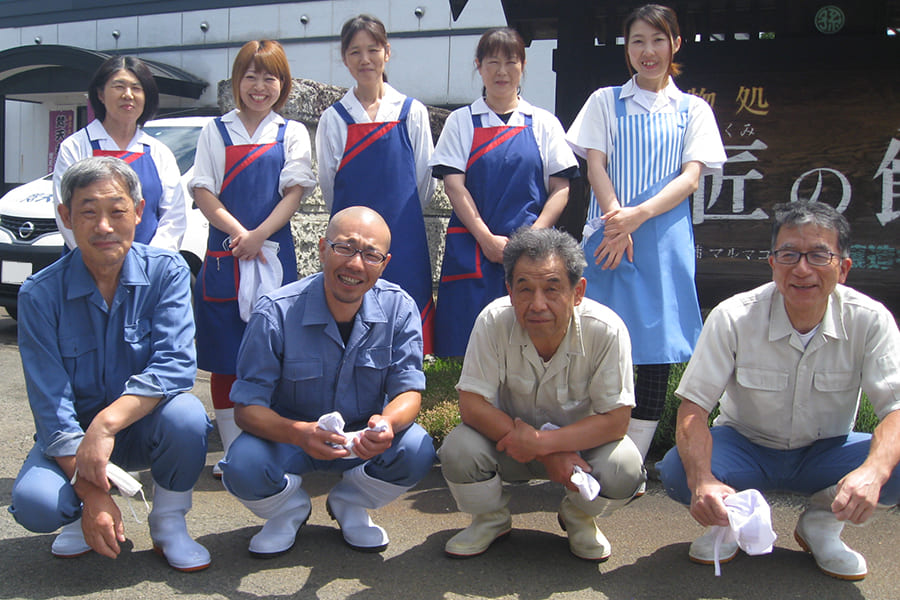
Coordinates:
x,y
307,101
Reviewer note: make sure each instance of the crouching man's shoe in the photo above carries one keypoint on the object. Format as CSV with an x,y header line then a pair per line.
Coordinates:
x,y
819,533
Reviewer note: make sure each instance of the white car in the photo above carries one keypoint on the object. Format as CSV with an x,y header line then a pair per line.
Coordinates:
x,y
30,240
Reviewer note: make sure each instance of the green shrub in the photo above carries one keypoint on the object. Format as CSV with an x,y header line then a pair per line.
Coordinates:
x,y
440,419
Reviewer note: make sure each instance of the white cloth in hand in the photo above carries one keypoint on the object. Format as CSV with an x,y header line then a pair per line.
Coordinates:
x,y
258,278
334,423
587,484
750,525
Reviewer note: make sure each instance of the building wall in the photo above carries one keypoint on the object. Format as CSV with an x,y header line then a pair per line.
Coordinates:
x,y
432,56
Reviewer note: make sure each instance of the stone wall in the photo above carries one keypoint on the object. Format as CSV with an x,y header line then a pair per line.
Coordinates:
x,y
307,101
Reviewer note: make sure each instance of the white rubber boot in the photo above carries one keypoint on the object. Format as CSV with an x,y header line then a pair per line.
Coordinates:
x,y
819,532
703,549
347,504
70,541
286,512
168,531
486,502
641,433
586,541
228,431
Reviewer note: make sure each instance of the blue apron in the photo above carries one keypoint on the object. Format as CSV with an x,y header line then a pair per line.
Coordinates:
x,y
655,295
250,193
151,187
505,176
378,170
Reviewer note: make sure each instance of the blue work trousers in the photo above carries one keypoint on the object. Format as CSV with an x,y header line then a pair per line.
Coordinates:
x,y
171,441
741,464
254,468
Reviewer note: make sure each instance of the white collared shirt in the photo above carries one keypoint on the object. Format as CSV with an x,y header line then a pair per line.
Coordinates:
x,y
172,212
331,139
455,143
781,394
595,126
590,373
209,165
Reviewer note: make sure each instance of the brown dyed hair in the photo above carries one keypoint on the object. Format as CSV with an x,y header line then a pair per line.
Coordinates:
x,y
263,55
659,17
500,41
371,25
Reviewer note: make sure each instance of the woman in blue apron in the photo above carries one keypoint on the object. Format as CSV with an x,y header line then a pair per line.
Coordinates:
x,y
123,96
251,171
647,145
373,148
505,165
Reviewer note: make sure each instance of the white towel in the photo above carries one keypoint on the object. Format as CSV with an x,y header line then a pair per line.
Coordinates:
x,y
258,278
750,525
587,484
334,422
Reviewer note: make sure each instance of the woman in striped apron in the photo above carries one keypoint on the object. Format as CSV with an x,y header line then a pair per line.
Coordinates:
x,y
505,165
124,96
251,171
372,148
647,145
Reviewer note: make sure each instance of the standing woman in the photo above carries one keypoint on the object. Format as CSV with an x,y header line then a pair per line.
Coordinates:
x,y
373,148
124,96
647,144
505,165
251,171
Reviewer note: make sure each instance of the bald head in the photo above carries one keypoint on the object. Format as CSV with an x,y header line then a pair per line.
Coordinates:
x,y
351,219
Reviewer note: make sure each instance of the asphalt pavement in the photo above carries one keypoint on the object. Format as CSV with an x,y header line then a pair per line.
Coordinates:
x,y
650,542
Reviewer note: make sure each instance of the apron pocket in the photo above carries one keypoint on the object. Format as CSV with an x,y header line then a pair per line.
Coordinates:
x,y
462,256
220,277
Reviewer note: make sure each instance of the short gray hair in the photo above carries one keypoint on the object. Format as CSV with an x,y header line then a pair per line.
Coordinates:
x,y
88,171
540,244
812,212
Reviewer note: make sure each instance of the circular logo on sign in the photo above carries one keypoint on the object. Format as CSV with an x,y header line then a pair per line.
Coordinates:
x,y
830,19
26,229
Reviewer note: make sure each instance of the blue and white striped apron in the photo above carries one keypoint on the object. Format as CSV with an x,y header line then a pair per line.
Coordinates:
x,y
655,295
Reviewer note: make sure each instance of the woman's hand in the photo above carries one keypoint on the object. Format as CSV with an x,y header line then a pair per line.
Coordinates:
x,y
247,245
611,250
622,221
493,248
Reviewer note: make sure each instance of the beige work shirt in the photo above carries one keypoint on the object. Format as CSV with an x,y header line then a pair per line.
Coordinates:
x,y
589,374
779,394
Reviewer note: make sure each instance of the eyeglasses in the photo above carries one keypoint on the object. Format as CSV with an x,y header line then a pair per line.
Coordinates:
x,y
370,257
816,258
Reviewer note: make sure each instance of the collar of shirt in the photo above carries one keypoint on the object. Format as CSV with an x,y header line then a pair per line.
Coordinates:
x,y
81,283
231,117
316,311
480,107
832,324
668,96
391,98
571,344
96,131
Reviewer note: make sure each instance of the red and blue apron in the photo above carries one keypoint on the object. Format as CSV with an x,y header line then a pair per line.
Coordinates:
x,y
505,176
250,193
151,187
655,295
378,170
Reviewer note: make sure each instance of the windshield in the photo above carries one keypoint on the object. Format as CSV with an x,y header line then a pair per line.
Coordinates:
x,y
182,141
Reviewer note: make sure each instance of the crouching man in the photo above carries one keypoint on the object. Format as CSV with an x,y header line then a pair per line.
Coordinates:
x,y
785,363
543,356
106,336
340,340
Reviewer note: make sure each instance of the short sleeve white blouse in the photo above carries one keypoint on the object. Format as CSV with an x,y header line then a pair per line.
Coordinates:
x,y
209,165
595,126
455,143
